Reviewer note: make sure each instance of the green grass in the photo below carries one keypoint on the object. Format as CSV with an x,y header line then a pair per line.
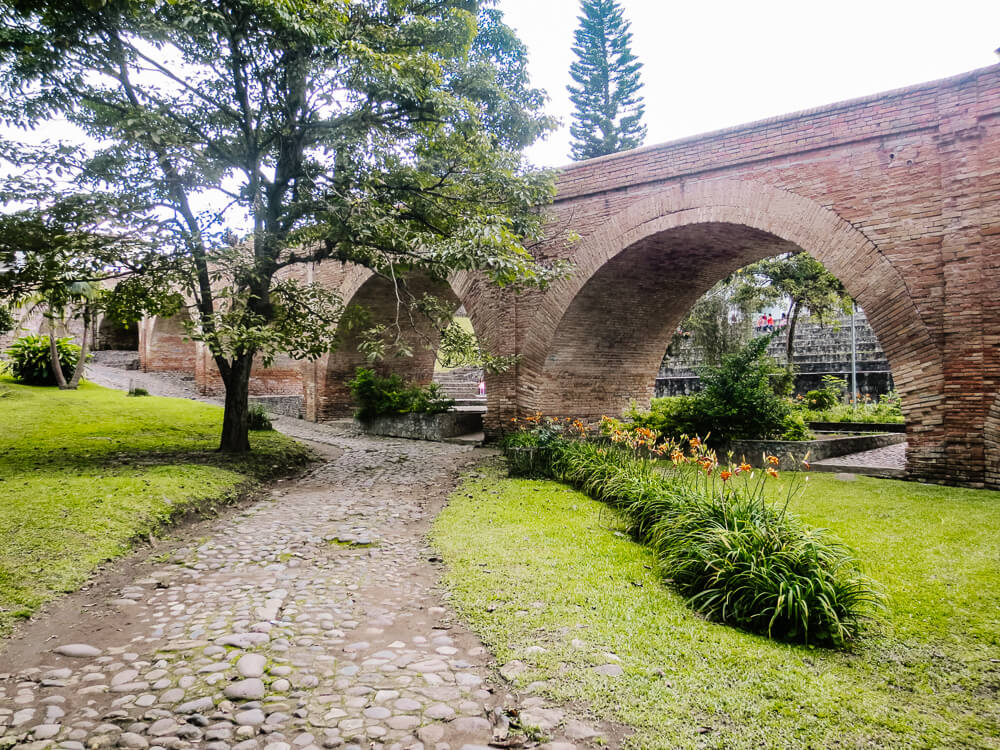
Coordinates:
x,y
535,563
84,473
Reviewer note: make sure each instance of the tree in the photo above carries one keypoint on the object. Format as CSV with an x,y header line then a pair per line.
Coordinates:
x,y
262,135
608,108
799,278
716,324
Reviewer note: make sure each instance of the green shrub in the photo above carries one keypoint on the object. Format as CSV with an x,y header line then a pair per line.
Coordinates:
x,y
30,360
796,428
737,402
885,410
137,392
258,418
378,395
741,561
820,400
738,559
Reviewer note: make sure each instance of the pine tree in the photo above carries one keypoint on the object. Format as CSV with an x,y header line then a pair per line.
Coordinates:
x,y
608,106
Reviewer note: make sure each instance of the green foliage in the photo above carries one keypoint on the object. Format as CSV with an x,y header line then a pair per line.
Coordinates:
x,y
258,418
378,395
137,392
608,108
710,324
820,400
31,361
382,134
795,428
798,276
669,417
737,559
7,321
737,402
886,410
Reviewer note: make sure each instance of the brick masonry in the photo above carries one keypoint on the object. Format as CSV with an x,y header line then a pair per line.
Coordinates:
x,y
898,194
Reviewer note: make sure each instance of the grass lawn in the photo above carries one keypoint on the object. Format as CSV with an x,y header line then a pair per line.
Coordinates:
x,y
84,473
535,563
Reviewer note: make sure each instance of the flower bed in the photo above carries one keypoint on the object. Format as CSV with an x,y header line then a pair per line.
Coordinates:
x,y
736,558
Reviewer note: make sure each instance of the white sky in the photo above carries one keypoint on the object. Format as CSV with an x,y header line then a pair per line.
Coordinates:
x,y
710,64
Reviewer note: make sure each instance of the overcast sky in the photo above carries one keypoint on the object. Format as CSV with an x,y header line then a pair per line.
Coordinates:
x,y
710,64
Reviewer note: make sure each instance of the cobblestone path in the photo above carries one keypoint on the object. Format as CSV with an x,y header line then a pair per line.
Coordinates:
x,y
309,619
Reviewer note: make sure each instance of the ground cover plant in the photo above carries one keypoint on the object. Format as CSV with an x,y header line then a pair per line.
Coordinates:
x,y
828,404
537,564
85,473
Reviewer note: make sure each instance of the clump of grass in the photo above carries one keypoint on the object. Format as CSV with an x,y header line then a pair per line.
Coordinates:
x,y
137,392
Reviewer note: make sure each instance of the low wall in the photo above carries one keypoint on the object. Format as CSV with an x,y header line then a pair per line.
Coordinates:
x,y
857,427
426,426
792,452
287,406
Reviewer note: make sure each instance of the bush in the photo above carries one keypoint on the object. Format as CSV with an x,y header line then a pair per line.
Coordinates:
x,y
737,559
378,396
796,428
258,418
137,392
30,360
820,400
737,402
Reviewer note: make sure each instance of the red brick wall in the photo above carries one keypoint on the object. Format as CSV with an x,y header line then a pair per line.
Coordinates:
x,y
163,346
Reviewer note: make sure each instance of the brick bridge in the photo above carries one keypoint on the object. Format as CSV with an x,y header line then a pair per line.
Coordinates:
x,y
898,195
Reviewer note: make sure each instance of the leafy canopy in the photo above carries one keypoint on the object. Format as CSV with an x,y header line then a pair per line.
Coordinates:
x,y
253,138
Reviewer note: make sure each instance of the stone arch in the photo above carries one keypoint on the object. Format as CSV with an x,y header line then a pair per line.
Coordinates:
x,y
664,251
327,396
164,346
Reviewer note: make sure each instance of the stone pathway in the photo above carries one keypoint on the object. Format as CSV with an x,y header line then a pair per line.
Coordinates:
x,y
309,619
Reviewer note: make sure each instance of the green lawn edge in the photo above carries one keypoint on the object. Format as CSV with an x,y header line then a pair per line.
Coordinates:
x,y
534,563
85,474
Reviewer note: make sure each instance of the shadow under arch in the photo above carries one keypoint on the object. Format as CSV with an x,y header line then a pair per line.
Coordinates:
x,y
637,276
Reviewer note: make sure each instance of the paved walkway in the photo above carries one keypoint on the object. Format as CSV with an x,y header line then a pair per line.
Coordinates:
x,y
884,462
310,619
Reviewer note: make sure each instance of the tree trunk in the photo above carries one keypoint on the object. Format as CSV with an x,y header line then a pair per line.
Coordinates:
x,y
790,341
235,429
54,362
84,351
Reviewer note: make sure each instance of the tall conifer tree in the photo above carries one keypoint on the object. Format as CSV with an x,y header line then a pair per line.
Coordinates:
x,y
608,106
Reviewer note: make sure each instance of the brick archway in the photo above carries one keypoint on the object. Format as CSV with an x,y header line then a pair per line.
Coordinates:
x,y
326,392
638,275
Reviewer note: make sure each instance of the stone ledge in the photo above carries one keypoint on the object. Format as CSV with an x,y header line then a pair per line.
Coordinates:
x,y
436,427
792,452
